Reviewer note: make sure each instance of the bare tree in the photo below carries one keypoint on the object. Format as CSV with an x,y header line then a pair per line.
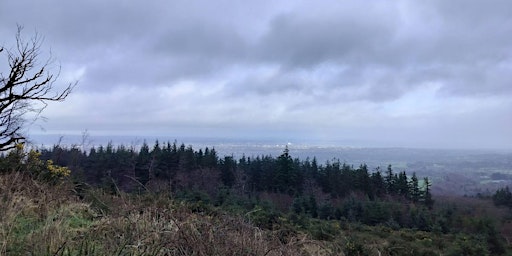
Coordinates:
x,y
26,88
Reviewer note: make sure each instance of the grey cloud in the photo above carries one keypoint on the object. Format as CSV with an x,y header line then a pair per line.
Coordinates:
x,y
309,57
181,40
263,86
469,46
479,13
441,41
478,81
129,43
298,42
201,40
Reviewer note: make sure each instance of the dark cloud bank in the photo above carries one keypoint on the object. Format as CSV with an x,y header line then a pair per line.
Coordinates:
x,y
429,74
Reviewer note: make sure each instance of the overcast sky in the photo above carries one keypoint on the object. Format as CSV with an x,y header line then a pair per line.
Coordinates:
x,y
386,73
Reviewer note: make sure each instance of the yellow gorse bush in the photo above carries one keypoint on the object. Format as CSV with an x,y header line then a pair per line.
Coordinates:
x,y
57,171
21,160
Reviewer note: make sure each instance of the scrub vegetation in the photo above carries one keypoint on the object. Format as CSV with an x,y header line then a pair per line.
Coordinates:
x,y
173,200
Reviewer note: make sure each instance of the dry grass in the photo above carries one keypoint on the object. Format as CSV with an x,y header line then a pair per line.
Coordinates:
x,y
156,227
39,219
36,217
42,219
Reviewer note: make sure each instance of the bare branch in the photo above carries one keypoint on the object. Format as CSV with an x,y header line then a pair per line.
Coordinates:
x,y
27,89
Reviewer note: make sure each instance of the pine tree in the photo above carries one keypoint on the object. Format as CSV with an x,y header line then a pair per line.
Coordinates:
x,y
414,191
402,185
427,196
227,168
378,184
390,181
142,165
503,196
284,176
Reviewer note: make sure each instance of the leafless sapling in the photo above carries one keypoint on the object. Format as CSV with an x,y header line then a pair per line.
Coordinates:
x,y
26,87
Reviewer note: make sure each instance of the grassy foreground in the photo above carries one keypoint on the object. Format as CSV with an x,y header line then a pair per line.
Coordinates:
x,y
37,218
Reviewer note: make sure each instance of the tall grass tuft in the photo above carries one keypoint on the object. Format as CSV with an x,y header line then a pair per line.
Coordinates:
x,y
38,218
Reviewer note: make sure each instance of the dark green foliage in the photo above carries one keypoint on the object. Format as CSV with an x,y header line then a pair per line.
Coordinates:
x,y
354,247
414,189
181,167
376,213
503,196
144,164
466,246
427,196
227,169
486,229
390,181
378,185
287,177
305,205
184,169
421,219
327,212
402,185
286,195
263,216
322,230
